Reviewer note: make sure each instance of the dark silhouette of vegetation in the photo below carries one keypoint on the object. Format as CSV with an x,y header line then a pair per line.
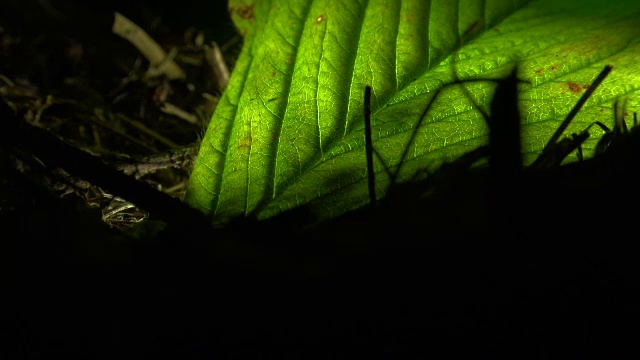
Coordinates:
x,y
471,262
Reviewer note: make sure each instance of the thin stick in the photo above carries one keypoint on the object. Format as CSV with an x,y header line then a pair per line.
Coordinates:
x,y
140,126
369,146
169,108
216,62
127,29
603,74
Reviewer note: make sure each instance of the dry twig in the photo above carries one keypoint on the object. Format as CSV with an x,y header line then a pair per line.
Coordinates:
x,y
160,61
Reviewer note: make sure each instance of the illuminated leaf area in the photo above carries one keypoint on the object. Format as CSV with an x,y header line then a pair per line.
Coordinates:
x,y
289,129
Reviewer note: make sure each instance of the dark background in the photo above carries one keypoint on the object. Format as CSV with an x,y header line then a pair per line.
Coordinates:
x,y
561,283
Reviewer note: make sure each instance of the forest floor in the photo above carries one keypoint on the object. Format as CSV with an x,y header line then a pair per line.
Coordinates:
x,y
90,275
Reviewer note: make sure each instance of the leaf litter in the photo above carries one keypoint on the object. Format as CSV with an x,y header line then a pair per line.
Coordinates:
x,y
136,96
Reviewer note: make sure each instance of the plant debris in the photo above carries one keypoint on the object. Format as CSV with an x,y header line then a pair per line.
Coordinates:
x,y
139,98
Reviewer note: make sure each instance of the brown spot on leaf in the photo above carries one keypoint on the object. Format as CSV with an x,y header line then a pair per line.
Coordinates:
x,y
601,110
553,67
574,87
289,59
586,86
273,74
539,71
244,143
217,165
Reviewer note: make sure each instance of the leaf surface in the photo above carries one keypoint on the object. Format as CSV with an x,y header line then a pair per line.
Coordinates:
x,y
289,129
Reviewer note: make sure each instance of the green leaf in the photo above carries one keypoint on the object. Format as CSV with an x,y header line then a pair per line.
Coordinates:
x,y
288,131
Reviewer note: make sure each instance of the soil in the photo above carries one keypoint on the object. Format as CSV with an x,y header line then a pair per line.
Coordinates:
x,y
91,275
